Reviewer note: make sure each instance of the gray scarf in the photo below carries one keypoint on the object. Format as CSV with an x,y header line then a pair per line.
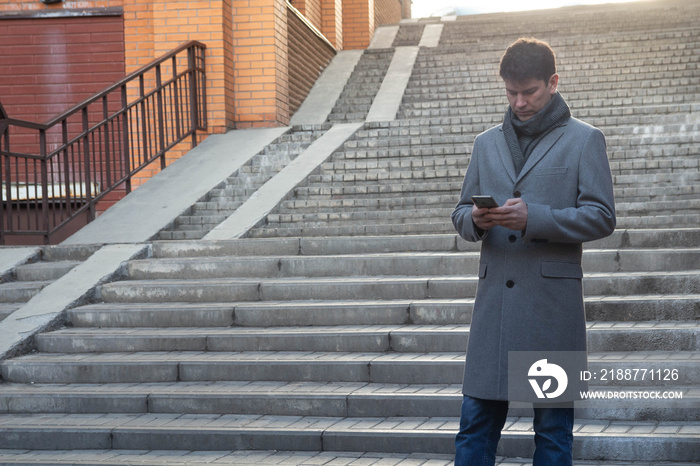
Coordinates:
x,y
523,136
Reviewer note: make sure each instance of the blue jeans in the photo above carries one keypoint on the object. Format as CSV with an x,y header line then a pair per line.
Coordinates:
x,y
480,430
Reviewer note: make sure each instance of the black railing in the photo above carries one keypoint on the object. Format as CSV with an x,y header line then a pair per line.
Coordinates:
x,y
53,174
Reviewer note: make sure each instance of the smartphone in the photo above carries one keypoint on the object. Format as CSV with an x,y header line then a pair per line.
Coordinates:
x,y
484,201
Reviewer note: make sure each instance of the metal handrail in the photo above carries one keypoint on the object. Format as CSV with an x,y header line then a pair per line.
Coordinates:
x,y
54,172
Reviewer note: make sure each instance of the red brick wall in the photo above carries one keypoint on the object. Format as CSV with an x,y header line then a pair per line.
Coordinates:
x,y
309,55
51,64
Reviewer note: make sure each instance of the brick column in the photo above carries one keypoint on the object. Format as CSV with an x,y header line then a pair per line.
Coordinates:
x,y
358,20
153,28
332,21
261,87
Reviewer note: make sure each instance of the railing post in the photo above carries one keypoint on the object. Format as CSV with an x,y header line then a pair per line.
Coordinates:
x,y
88,176
144,120
4,144
127,139
176,98
107,154
4,134
66,166
191,64
161,122
203,88
8,182
44,186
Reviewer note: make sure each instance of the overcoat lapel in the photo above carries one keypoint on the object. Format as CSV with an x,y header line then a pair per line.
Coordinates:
x,y
541,149
504,153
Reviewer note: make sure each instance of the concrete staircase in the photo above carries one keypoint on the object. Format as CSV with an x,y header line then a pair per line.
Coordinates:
x,y
364,83
339,324
40,270
217,205
339,344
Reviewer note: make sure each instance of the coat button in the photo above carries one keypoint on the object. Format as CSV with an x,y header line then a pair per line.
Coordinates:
x,y
510,284
512,238
517,194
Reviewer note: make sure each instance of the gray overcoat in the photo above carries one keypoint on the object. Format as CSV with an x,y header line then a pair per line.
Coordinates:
x,y
530,295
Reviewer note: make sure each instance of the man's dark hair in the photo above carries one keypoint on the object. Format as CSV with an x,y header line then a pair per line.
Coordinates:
x,y
528,58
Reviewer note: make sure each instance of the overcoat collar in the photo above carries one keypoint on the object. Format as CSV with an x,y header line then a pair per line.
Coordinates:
x,y
540,151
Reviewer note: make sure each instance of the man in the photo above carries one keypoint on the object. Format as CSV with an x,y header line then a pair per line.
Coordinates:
x,y
549,174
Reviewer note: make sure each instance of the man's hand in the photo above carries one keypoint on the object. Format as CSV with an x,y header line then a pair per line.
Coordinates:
x,y
480,219
511,215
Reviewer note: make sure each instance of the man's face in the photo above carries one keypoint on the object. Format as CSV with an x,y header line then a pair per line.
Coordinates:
x,y
530,96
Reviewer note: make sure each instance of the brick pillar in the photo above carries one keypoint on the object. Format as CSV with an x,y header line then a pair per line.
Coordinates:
x,y
358,20
152,28
332,21
261,63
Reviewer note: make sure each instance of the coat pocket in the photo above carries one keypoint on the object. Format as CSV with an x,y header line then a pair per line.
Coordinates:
x,y
554,269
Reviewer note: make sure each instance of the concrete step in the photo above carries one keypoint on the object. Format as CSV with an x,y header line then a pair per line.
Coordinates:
x,y
602,336
682,219
373,287
152,315
374,190
8,308
417,215
76,252
439,79
303,366
304,399
200,219
181,235
492,111
628,441
635,202
314,246
630,308
620,239
305,266
231,193
394,263
225,208
363,204
248,457
44,271
380,227
279,289
389,176
21,292
406,162
627,209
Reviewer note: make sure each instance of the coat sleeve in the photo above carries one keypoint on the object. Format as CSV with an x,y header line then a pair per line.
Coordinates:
x,y
462,215
593,217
